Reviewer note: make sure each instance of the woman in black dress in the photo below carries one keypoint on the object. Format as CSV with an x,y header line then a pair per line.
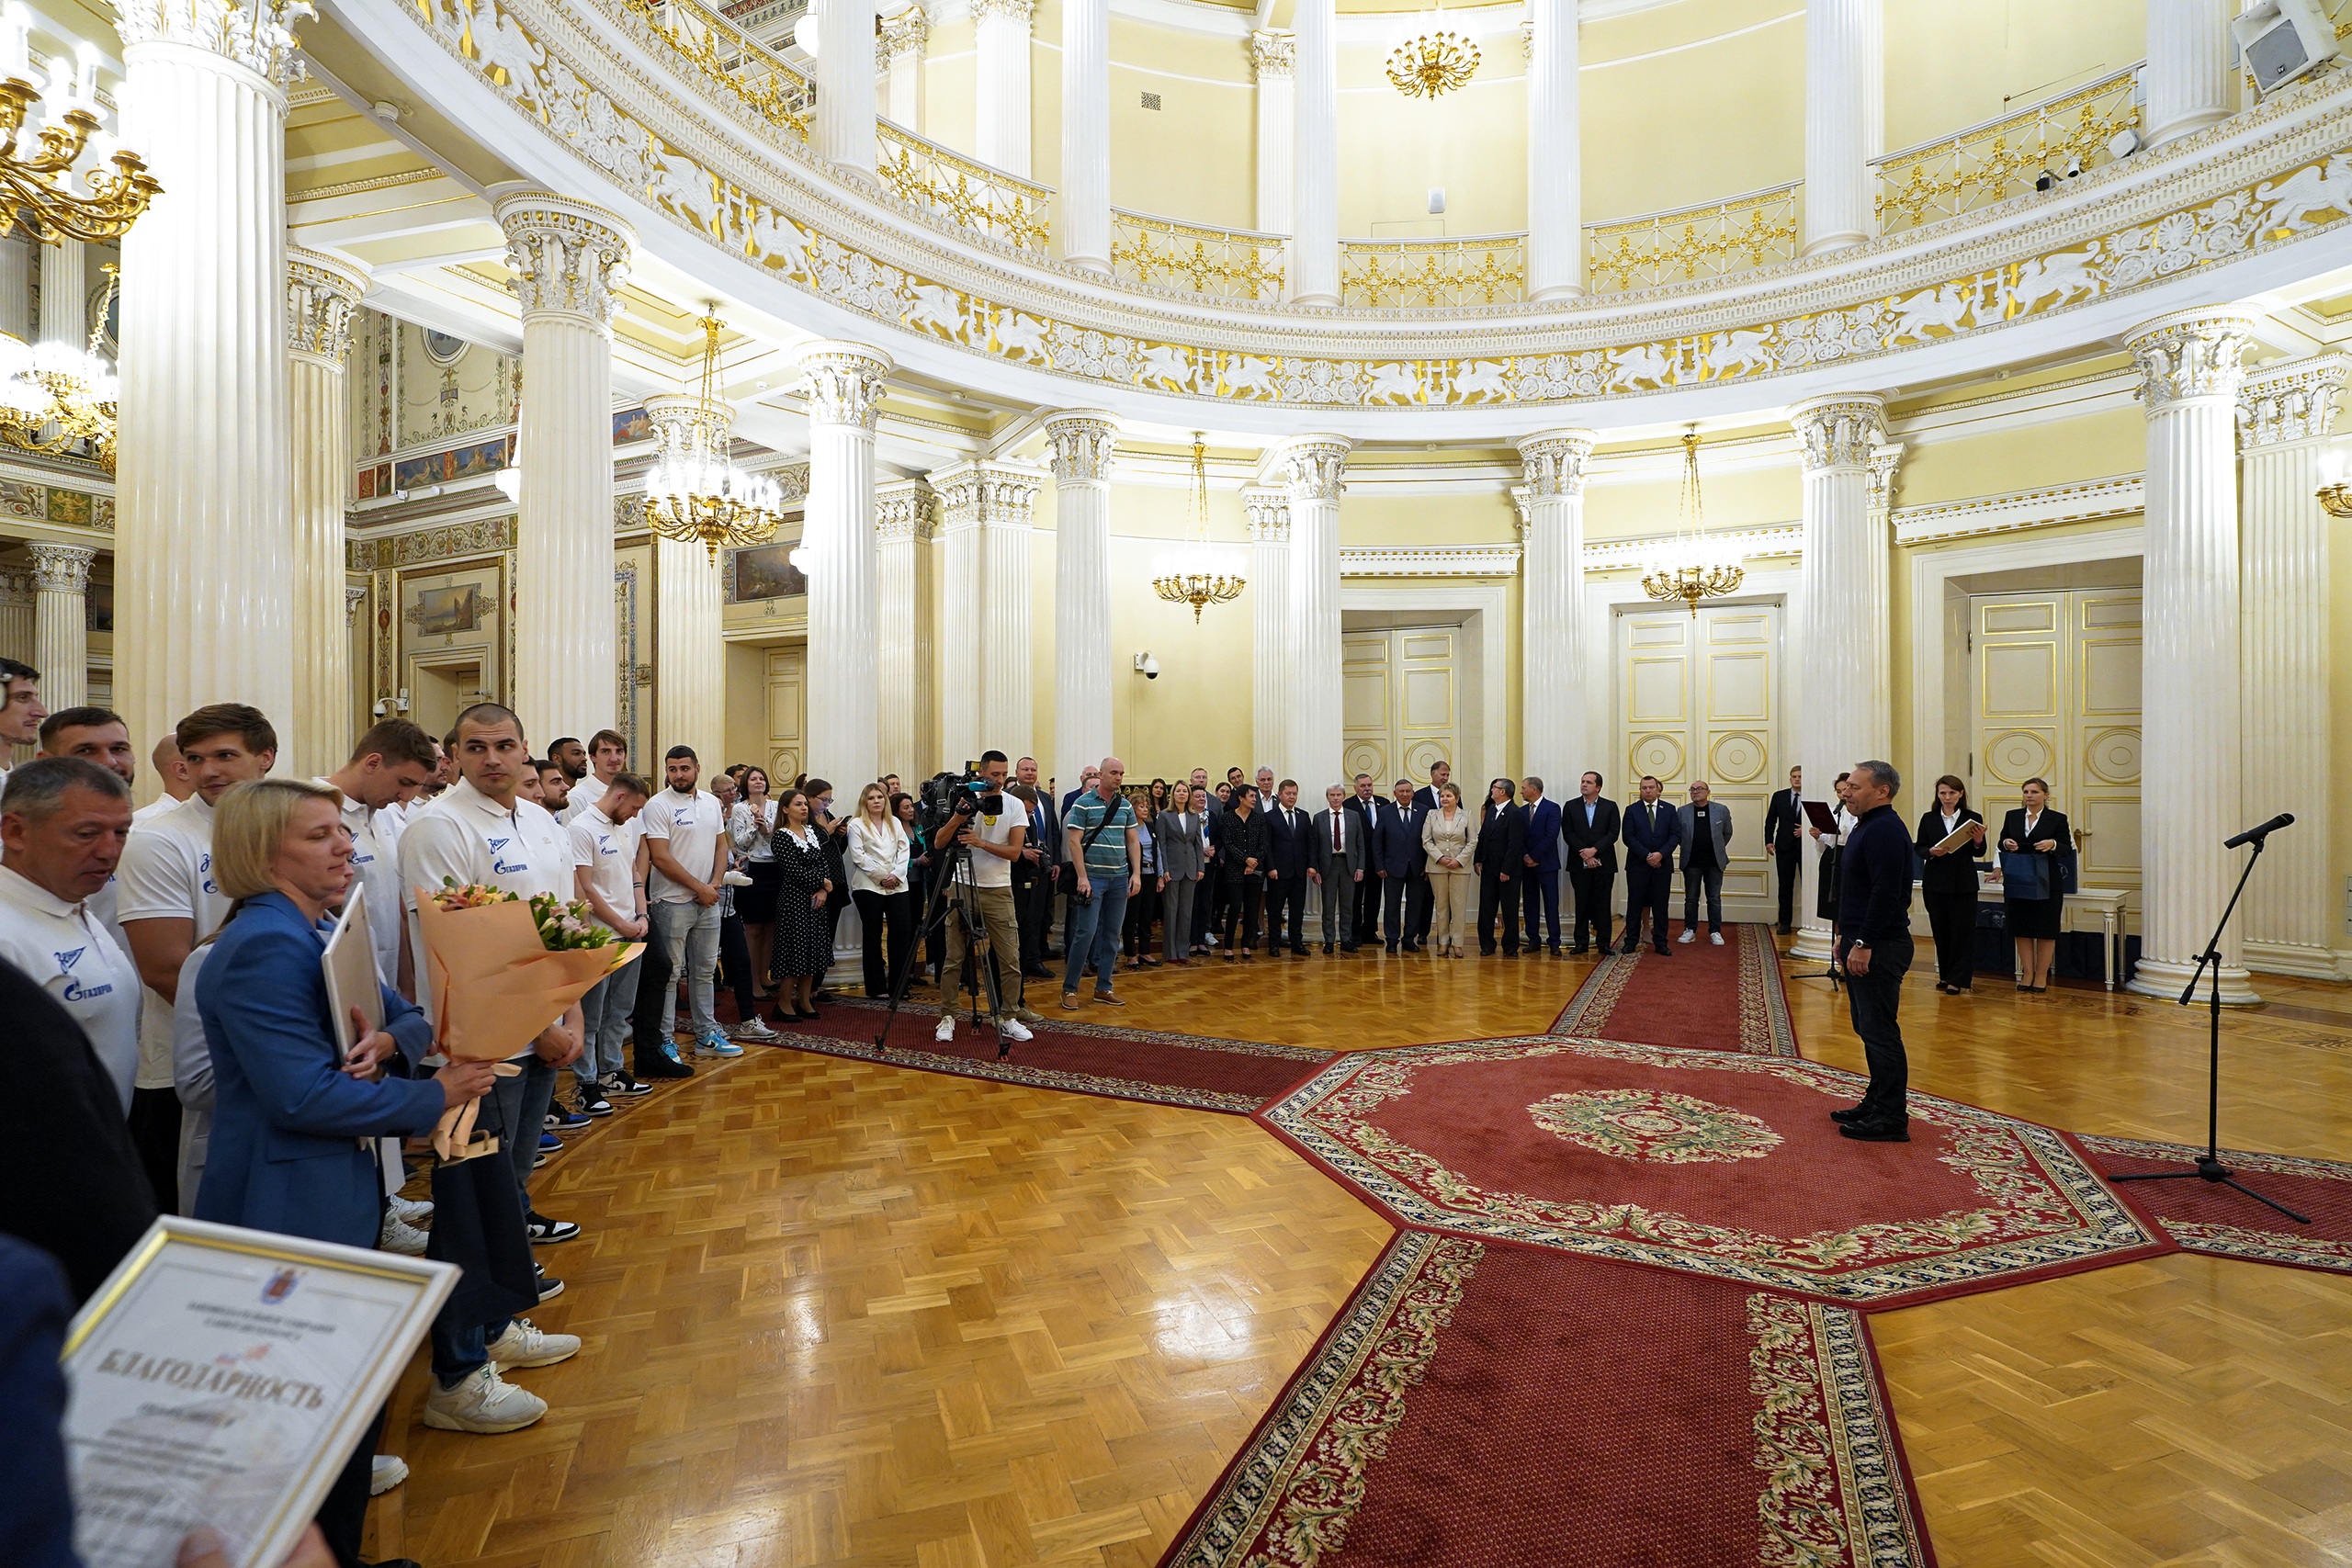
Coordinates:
x,y
802,946
1498,854
1241,871
2035,830
1948,883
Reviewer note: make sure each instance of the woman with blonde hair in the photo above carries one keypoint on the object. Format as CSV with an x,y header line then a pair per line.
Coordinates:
x,y
1446,840
878,853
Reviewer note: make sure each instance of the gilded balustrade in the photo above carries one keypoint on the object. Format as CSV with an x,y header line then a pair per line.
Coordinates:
x,y
1224,264
1485,270
953,191
727,56
1711,240
2002,156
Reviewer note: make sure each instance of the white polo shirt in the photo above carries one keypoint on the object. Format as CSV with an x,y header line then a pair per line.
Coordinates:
x,y
153,809
379,884
71,956
166,874
691,825
583,794
464,835
608,850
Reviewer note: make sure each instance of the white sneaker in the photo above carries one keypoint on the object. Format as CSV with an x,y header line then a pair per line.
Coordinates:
x,y
523,1345
1011,1028
387,1471
946,1029
1715,937
398,1235
412,1209
1688,936
481,1403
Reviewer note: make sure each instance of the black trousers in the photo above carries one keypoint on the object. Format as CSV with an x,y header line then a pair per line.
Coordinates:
x,y
1404,904
875,913
1871,1001
1496,895
735,967
1951,916
1239,916
343,1512
1033,906
1286,913
1143,913
1647,887
1368,901
155,1131
1592,888
654,981
1788,861
1539,893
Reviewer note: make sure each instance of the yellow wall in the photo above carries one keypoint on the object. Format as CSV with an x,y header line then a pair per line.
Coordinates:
x,y
1195,156
2094,446
1759,498
1958,65
1472,142
1697,124
950,65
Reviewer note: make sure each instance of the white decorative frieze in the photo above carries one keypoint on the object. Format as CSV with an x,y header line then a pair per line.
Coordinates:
x,y
2047,507
1745,544
1435,560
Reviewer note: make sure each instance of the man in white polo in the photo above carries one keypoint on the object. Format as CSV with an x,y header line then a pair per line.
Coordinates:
x,y
96,734
390,765
62,823
685,839
609,864
20,708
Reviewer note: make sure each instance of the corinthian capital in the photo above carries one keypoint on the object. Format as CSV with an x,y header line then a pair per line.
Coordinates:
x,y
908,32
569,258
2190,355
2291,401
1272,53
903,509
986,495
1314,466
62,568
257,34
1085,441
1552,461
1840,432
674,415
844,382
1269,510
321,292
1021,11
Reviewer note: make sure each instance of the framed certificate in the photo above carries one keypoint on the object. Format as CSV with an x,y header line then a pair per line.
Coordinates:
x,y
222,1376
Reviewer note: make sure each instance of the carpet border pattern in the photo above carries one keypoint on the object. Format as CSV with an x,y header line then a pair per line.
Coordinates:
x,y
2282,1246
1826,1443
1765,1029
1306,1053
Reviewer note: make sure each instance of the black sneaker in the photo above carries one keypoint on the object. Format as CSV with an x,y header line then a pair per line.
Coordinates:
x,y
618,1082
562,1119
1883,1129
656,1065
1852,1113
546,1231
550,1287
594,1103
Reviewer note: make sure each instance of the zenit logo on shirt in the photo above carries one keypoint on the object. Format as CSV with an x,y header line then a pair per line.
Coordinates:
x,y
75,990
681,816
605,844
498,859
203,870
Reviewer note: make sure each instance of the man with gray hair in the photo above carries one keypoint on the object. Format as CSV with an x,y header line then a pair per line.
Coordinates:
x,y
63,824
1874,946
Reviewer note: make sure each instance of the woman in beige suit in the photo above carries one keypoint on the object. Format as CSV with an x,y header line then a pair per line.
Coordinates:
x,y
1446,835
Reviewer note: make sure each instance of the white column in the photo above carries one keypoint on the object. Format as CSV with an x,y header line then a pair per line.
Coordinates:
x,y
65,293
16,615
1271,59
959,619
1083,203
842,382
2285,414
61,622
1000,85
1271,659
1555,701
843,133
1843,633
2190,793
1554,159
321,293
2188,73
1315,161
1886,462
689,707
204,529
1313,468
1845,120
16,285
1083,442
568,261
904,577
898,53
1007,504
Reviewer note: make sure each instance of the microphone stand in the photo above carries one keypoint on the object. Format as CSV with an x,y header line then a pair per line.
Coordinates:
x,y
2208,1167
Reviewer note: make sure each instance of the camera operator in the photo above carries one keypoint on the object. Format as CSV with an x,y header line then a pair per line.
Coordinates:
x,y
985,878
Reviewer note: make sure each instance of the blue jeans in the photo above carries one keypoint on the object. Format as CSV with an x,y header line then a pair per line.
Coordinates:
x,y
689,933
604,1014
1091,930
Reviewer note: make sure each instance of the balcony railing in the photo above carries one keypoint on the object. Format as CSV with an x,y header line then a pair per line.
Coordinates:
x,y
1988,162
728,58
1711,240
1222,264
951,191
1485,270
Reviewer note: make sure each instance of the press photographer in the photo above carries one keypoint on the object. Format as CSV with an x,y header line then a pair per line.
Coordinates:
x,y
971,815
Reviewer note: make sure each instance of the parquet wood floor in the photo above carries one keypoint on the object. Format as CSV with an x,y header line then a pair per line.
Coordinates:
x,y
838,1313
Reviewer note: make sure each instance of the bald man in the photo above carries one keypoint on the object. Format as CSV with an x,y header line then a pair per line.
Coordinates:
x,y
171,770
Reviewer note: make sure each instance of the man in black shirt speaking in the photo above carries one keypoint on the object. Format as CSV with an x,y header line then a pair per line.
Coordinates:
x,y
1875,945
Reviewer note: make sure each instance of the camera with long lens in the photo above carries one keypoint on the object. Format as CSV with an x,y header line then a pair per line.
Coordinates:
x,y
947,795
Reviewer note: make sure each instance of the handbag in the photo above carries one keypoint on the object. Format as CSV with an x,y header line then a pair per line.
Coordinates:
x,y
2024,876
1067,880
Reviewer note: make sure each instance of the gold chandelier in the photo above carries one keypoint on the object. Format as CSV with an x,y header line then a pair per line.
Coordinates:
x,y
55,395
695,494
1433,60
1197,577
37,171
1688,567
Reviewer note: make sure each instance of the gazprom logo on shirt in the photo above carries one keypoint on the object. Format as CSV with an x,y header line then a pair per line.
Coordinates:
x,y
682,817
203,870
75,990
498,859
605,844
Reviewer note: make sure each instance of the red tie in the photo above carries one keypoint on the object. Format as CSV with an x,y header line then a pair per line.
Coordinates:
x,y
1336,846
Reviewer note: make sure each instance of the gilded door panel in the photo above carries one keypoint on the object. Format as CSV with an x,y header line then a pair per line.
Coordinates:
x,y
1400,704
1364,701
787,712
1699,702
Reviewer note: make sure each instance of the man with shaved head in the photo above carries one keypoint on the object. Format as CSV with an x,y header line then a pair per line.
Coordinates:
x,y
171,771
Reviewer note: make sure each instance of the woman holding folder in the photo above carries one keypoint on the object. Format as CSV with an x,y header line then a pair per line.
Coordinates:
x,y
2033,833
1952,842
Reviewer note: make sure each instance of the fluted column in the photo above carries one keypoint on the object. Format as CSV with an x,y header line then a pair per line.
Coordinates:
x,y
2190,787
205,511
1313,468
16,615
2188,73
568,260
689,705
1000,86
842,132
64,289
1315,159
842,382
1554,159
1886,461
16,285
903,575
898,54
61,622
321,292
1556,726
1844,634
1272,62
1271,658
1845,120
2285,414
1082,204
1084,442
959,616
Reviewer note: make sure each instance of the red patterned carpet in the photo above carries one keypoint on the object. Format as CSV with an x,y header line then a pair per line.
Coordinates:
x,y
1700,996
2206,1217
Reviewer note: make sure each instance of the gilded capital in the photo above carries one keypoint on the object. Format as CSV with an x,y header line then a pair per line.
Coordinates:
x,y
1840,432
256,34
1021,11
1314,467
904,509
1085,441
353,597
323,292
842,382
2190,355
16,588
1272,53
1269,510
908,33
1553,461
62,568
569,258
2292,401
673,416
1886,461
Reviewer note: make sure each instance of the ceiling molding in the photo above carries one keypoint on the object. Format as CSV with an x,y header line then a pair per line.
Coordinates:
x,y
1432,561
2120,496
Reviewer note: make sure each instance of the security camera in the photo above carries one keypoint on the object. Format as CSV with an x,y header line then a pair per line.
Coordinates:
x,y
1148,665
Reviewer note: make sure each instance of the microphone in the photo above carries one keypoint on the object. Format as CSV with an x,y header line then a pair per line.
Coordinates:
x,y
2255,835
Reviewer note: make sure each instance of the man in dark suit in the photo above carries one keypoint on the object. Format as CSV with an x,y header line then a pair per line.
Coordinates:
x,y
1651,830
1540,887
1342,855
1369,810
1397,854
1425,801
1590,825
1035,873
1289,854
1784,830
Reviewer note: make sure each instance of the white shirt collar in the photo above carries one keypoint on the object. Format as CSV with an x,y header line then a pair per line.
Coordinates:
x,y
463,796
18,888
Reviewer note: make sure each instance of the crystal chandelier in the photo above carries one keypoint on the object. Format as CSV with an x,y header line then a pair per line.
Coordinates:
x,y
56,396
1688,567
1432,59
1197,577
695,494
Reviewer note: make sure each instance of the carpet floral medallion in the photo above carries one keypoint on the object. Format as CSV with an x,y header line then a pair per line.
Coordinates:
x,y
1697,996
1708,1162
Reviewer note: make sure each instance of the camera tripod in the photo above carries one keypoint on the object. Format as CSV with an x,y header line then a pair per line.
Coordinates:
x,y
949,901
